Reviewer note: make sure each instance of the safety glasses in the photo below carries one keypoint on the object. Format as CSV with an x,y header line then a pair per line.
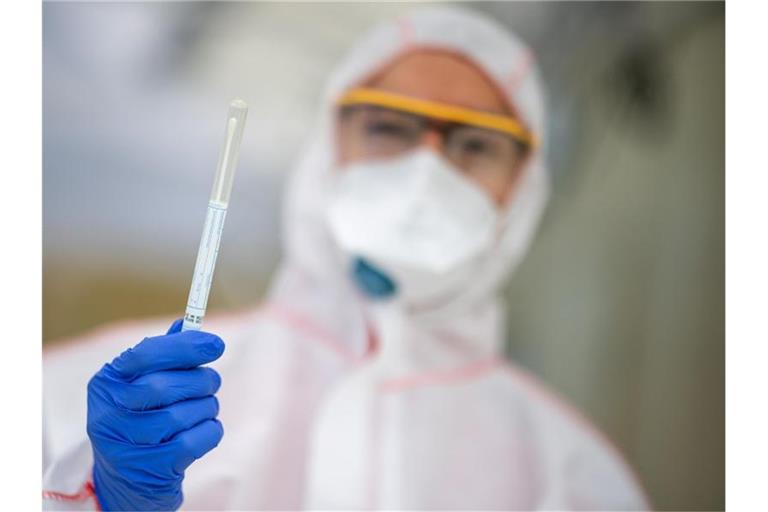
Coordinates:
x,y
380,124
439,111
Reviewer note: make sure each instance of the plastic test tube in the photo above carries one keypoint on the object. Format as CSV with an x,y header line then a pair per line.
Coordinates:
x,y
214,219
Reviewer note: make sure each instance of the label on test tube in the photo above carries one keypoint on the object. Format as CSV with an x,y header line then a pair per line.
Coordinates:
x,y
204,266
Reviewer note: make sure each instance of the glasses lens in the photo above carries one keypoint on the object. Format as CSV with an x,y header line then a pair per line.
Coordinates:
x,y
381,132
478,150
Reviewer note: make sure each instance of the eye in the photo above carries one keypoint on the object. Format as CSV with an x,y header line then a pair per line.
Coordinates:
x,y
472,142
384,128
476,145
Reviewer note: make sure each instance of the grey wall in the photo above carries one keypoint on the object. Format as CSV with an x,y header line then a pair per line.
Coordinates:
x,y
621,302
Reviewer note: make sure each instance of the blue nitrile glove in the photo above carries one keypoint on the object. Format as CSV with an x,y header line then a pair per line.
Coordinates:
x,y
151,413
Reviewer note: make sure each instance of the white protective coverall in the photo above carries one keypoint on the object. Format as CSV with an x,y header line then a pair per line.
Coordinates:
x,y
326,401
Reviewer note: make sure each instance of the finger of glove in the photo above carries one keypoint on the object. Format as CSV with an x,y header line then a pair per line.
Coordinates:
x,y
160,425
195,442
180,351
175,326
163,388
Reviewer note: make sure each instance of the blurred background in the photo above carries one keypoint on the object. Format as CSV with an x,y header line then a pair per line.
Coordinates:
x,y
620,304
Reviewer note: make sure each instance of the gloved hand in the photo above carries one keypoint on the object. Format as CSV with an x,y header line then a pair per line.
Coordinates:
x,y
151,413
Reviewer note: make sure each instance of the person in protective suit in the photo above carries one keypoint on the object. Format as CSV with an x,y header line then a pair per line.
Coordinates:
x,y
373,375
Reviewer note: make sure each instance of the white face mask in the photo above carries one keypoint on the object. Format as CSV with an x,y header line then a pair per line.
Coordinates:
x,y
416,219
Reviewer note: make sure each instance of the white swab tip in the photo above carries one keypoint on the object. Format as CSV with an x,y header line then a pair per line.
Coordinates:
x,y
238,103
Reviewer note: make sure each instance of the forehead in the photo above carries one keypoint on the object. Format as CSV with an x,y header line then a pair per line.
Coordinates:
x,y
440,76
